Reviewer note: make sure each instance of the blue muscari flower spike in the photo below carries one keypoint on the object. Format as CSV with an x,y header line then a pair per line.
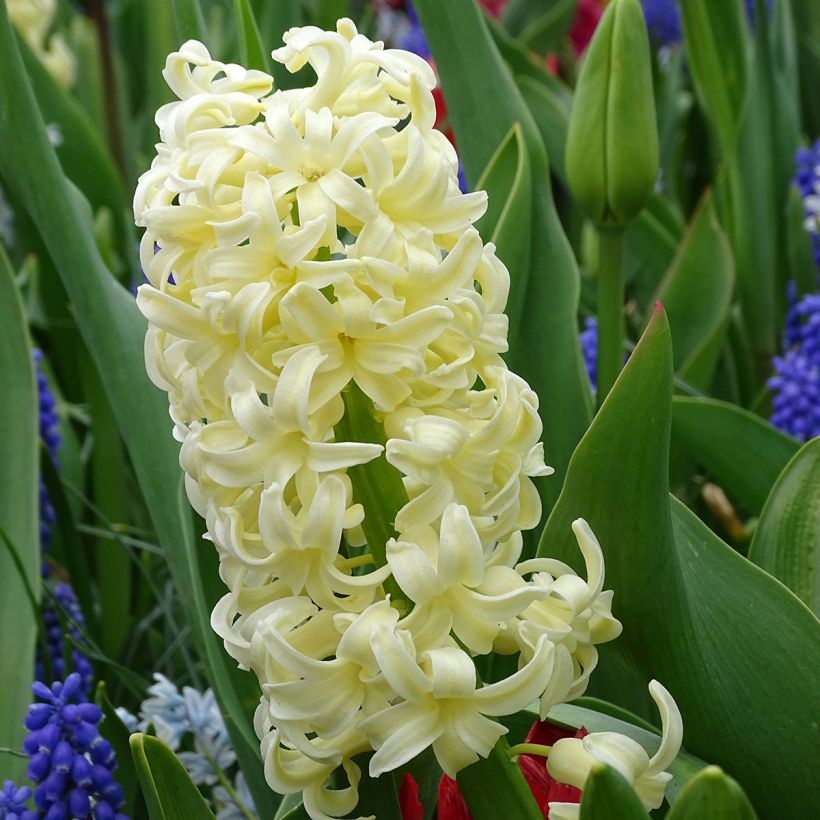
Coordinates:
x,y
70,761
50,436
13,803
589,347
796,383
55,638
807,180
663,20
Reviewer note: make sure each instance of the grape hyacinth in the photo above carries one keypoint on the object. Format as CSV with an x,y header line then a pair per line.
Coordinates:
x,y
13,803
70,761
55,639
796,382
50,436
807,179
327,274
589,347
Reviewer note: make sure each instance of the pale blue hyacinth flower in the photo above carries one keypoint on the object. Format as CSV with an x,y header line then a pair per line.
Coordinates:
x,y
227,809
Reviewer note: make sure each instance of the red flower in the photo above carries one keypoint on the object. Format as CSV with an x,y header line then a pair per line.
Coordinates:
x,y
545,790
409,803
586,21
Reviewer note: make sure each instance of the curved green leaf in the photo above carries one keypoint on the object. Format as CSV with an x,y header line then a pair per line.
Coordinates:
x,y
714,795
18,518
190,21
697,294
252,51
786,542
550,111
116,733
607,796
716,47
718,632
508,220
545,32
114,332
168,790
742,452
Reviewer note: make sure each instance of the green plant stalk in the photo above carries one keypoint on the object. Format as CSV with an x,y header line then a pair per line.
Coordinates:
x,y
223,779
610,308
377,485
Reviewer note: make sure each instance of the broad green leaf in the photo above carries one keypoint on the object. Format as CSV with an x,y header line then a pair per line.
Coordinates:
x,y
547,30
114,332
290,807
697,293
807,24
168,790
80,147
607,796
715,795
116,733
545,353
716,47
378,796
550,111
190,21
109,481
743,453
494,787
718,632
252,50
508,220
18,519
786,542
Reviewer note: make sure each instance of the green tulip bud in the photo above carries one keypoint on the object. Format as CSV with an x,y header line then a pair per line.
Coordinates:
x,y
612,141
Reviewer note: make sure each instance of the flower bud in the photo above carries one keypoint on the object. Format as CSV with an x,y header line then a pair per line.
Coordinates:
x,y
612,141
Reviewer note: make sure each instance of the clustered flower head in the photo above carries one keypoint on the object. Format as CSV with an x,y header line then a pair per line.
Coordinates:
x,y
313,267
49,424
13,803
796,380
67,602
70,761
34,19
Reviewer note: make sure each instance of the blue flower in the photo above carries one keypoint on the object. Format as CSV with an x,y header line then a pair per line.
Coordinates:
x,y
228,809
13,803
796,383
55,638
69,759
663,21
589,347
49,420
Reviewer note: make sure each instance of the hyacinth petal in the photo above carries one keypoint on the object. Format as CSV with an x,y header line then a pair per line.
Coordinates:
x,y
672,728
460,558
291,401
511,694
413,571
400,733
400,670
472,736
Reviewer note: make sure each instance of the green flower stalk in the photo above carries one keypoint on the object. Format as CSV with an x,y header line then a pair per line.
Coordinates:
x,y
612,158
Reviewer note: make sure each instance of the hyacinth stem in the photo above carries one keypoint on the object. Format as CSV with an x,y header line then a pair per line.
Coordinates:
x,y
377,485
494,787
610,308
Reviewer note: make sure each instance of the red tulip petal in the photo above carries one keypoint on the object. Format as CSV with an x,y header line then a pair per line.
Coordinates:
x,y
451,805
409,803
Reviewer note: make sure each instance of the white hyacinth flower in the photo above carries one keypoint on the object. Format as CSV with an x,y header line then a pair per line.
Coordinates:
x,y
571,759
328,326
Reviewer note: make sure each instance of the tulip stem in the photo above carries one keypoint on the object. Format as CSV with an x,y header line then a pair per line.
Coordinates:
x,y
610,308
530,749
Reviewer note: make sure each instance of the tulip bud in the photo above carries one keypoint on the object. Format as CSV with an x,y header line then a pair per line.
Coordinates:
x,y
612,141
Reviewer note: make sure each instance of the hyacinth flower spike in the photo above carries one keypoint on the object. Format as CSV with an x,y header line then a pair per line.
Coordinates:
x,y
329,328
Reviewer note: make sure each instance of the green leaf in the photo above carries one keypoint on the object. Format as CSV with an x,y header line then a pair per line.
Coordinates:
x,y
190,21
546,31
718,632
114,332
168,790
18,518
508,220
550,111
743,453
786,542
714,795
274,20
546,353
716,47
607,796
251,48
116,733
697,293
